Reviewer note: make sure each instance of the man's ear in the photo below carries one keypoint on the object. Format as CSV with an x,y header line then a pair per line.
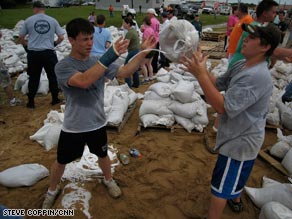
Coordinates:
x,y
265,48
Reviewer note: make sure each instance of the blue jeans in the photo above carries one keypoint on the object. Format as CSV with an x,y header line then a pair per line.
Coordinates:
x,y
136,82
287,96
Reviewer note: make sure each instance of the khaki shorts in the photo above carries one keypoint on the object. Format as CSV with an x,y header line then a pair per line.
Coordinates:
x,y
4,76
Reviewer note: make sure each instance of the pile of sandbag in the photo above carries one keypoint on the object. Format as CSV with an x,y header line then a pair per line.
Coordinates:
x,y
117,100
174,98
274,199
21,83
12,55
282,150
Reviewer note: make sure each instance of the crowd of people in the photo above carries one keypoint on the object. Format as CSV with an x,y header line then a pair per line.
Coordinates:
x,y
250,45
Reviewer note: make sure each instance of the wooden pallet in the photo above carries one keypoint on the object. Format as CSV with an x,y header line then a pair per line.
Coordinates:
x,y
118,128
264,153
163,127
213,36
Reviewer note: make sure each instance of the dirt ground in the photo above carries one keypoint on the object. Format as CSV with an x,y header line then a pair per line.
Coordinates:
x,y
171,179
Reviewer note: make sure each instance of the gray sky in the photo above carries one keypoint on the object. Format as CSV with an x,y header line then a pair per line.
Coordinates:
x,y
288,2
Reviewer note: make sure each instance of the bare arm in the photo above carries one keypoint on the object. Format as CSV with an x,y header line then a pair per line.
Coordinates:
x,y
21,39
59,40
132,66
85,79
107,44
284,54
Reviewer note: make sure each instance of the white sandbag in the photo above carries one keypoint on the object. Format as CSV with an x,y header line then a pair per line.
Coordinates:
x,y
287,162
166,120
43,88
162,71
275,210
186,110
187,124
174,76
177,38
273,117
281,193
157,107
48,135
162,89
119,108
281,137
11,60
201,118
23,175
184,92
152,95
149,120
280,149
163,78
267,182
285,115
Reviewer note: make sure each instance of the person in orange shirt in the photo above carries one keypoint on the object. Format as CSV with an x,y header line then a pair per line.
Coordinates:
x,y
244,17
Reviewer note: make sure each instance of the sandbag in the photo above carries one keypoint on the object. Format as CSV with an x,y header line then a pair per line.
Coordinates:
x,y
23,175
275,210
177,38
281,193
287,162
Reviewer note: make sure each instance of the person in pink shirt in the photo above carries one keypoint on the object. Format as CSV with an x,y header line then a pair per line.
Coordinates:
x,y
232,20
155,24
146,66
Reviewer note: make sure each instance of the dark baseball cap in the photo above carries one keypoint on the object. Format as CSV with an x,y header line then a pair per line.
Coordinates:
x,y
267,31
38,4
164,14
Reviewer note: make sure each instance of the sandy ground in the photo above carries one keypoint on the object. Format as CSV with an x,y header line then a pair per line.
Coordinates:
x,y
170,180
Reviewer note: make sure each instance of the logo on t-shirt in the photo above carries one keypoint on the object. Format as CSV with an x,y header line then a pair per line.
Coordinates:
x,y
42,26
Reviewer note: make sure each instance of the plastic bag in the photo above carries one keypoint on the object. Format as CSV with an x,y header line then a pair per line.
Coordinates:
x,y
178,38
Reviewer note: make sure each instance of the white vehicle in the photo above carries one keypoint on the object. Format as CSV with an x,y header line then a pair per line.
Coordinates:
x,y
225,9
53,3
127,9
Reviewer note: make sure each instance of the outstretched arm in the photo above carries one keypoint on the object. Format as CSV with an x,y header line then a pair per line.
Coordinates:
x,y
132,66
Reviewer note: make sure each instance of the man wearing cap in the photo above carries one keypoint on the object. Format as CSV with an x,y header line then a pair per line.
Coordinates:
x,y
41,30
243,108
155,24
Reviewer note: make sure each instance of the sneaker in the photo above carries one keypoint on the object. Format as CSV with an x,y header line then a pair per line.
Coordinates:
x,y
51,198
15,102
112,187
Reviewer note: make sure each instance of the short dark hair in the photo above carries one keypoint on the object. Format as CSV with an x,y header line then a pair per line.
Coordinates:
x,y
79,25
100,19
234,8
38,4
243,8
265,5
147,20
129,21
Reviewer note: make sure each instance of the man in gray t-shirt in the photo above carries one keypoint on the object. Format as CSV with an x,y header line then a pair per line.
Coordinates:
x,y
243,108
41,30
82,79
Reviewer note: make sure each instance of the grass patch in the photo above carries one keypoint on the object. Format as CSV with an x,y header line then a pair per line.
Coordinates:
x,y
9,17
